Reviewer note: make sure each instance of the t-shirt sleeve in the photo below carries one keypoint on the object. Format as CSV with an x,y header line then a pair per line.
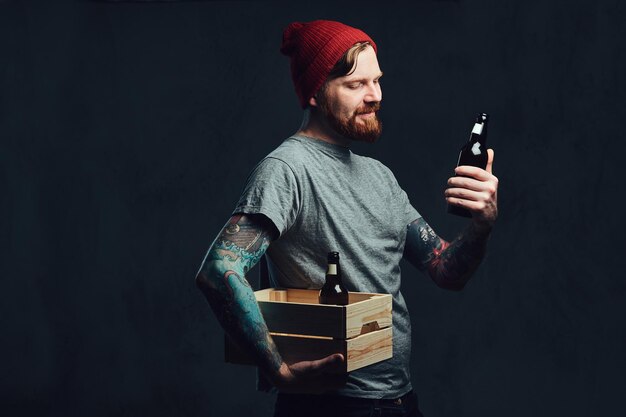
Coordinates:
x,y
401,198
272,190
410,213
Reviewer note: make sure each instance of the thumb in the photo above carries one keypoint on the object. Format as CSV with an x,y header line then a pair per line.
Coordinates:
x,y
326,363
489,166
330,360
310,368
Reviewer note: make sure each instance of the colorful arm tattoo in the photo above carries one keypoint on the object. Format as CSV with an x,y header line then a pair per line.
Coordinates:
x,y
239,246
449,264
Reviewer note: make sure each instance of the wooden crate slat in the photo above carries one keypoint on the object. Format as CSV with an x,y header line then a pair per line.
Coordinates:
x,y
295,295
369,348
376,309
264,295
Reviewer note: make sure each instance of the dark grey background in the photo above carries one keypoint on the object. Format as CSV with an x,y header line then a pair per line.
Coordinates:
x,y
128,129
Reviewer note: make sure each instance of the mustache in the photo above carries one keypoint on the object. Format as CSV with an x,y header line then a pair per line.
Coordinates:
x,y
374,107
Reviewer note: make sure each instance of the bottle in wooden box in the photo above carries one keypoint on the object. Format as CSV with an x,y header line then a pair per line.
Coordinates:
x,y
333,291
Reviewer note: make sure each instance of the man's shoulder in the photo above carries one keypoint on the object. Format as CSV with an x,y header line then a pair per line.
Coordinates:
x,y
283,160
290,151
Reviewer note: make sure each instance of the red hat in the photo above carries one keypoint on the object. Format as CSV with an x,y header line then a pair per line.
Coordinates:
x,y
314,49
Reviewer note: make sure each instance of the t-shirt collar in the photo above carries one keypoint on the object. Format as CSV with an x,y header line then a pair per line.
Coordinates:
x,y
337,150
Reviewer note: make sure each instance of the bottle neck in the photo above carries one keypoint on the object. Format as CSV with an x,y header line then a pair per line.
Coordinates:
x,y
333,272
479,133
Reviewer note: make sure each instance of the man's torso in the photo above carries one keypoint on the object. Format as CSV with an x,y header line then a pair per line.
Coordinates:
x,y
322,198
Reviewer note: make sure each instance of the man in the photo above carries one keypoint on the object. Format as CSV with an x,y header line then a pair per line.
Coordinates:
x,y
312,195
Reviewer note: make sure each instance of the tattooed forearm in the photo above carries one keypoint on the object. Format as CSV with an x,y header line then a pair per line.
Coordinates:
x,y
221,278
449,264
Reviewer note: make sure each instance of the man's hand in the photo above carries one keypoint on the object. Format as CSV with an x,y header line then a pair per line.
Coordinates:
x,y
451,264
314,377
476,190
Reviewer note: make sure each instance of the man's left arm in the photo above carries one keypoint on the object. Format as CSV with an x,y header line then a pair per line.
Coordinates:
x,y
451,264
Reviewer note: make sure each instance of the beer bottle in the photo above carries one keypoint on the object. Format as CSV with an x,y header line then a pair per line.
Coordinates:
x,y
333,291
474,153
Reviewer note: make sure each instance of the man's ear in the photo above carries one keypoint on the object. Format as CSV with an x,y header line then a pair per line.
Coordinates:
x,y
313,101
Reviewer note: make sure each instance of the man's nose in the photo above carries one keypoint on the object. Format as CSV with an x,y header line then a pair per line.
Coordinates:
x,y
374,93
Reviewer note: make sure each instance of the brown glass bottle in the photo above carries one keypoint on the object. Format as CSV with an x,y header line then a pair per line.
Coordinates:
x,y
473,153
333,291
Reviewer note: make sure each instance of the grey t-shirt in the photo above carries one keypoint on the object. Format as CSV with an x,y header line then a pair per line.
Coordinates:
x,y
323,197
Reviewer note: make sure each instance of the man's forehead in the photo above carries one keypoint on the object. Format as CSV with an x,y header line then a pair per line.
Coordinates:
x,y
362,75
366,66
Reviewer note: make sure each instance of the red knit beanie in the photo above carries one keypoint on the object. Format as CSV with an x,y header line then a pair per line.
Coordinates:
x,y
314,49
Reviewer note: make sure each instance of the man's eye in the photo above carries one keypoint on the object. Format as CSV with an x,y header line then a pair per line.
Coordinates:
x,y
354,86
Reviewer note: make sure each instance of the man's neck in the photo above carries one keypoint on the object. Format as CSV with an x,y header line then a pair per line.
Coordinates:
x,y
315,128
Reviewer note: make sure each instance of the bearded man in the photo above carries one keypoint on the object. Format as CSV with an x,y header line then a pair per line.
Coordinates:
x,y
312,195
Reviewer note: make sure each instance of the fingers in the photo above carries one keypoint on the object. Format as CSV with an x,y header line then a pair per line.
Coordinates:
x,y
489,167
471,200
473,206
466,194
475,189
489,185
473,172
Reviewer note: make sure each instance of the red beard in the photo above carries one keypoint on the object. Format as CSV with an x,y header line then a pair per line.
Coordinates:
x,y
367,131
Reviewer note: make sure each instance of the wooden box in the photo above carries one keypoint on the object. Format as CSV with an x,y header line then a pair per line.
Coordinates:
x,y
303,329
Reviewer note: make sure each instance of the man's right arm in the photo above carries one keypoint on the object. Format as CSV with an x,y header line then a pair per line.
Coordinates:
x,y
238,247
